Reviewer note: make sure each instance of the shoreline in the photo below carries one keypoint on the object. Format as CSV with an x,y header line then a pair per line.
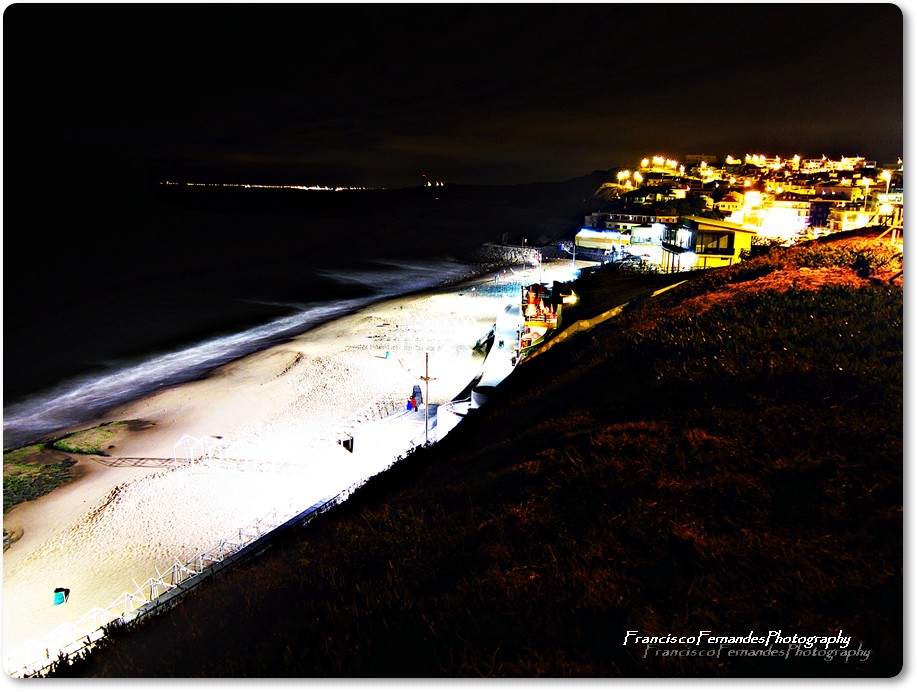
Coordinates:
x,y
131,513
476,273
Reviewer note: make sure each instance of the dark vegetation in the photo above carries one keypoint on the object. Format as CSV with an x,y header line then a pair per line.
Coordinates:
x,y
34,476
35,470
725,456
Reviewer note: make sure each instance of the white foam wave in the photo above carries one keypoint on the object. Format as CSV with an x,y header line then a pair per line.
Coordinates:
x,y
79,400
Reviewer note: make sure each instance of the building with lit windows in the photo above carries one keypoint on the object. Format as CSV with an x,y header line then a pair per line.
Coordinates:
x,y
731,202
849,218
845,163
836,191
627,221
646,242
611,233
703,243
624,221
787,217
590,243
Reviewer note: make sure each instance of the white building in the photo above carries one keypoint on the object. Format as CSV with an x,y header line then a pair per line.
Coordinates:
x,y
646,242
847,219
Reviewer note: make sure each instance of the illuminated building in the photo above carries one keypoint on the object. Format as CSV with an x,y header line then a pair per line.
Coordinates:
x,y
704,244
731,202
849,218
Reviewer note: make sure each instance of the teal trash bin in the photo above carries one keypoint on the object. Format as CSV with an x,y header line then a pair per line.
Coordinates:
x,y
60,596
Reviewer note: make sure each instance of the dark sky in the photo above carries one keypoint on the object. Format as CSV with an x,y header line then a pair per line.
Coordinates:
x,y
378,94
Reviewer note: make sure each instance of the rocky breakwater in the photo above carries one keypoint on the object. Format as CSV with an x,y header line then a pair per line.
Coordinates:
x,y
495,255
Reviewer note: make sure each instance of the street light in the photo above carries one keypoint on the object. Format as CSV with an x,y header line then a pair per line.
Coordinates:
x,y
866,182
887,177
426,403
565,246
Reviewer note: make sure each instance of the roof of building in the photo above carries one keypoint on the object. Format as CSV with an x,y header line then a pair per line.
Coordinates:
x,y
702,221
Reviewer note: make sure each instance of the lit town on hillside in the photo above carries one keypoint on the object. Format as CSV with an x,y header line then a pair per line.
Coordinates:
x,y
669,216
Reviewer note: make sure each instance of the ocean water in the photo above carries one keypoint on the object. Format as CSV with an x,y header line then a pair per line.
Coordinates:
x,y
164,288
82,397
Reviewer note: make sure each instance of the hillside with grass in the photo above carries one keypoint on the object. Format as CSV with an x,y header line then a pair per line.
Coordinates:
x,y
726,456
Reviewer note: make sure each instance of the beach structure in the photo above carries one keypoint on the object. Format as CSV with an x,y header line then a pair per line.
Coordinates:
x,y
541,313
600,245
607,236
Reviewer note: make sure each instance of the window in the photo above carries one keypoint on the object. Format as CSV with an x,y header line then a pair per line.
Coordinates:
x,y
714,243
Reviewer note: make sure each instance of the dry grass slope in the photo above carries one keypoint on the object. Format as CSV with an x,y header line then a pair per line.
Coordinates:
x,y
726,456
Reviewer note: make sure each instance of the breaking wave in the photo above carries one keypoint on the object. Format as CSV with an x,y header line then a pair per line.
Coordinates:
x,y
78,400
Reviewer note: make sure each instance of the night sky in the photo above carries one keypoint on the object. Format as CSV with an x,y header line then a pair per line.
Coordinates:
x,y
379,95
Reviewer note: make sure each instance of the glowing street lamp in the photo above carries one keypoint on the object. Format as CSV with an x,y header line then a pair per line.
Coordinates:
x,y
887,177
866,182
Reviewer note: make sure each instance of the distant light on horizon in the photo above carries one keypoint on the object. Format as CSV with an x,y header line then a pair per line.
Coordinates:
x,y
323,188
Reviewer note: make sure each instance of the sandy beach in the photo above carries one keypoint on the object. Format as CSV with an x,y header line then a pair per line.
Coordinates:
x,y
275,415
